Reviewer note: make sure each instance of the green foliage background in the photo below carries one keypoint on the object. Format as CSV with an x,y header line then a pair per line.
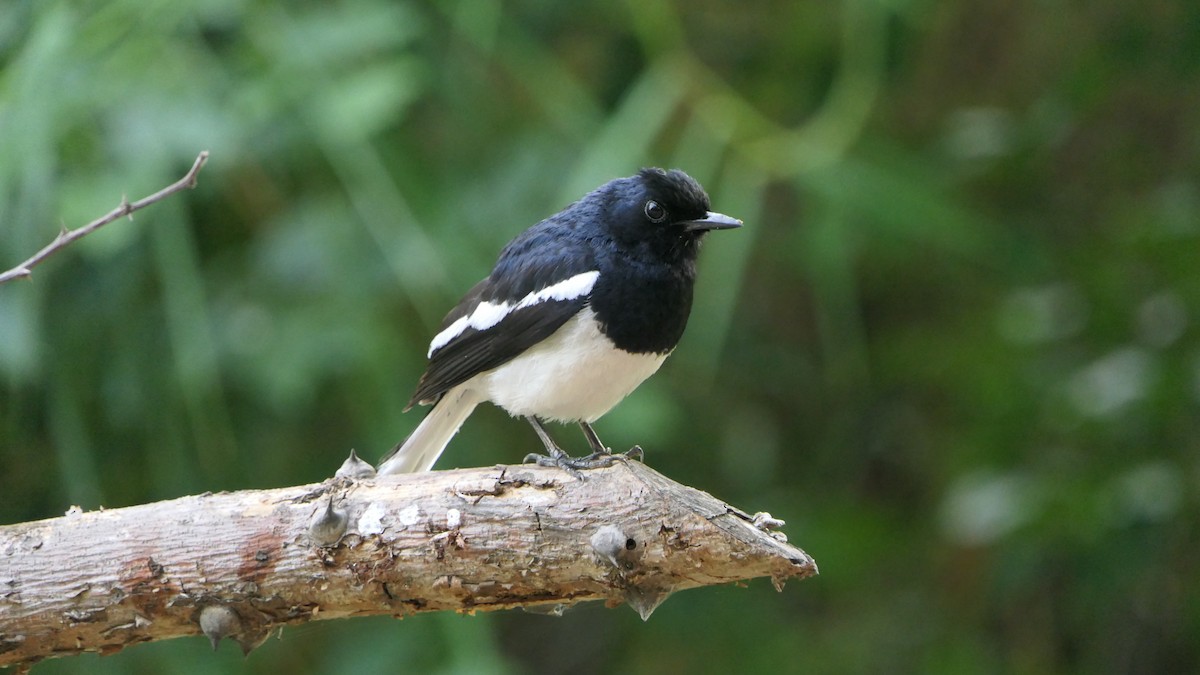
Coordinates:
x,y
956,346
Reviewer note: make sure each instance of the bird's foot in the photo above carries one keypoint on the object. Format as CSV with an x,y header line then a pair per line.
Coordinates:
x,y
606,457
560,460
574,465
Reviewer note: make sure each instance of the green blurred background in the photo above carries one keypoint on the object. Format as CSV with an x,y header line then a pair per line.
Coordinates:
x,y
955,347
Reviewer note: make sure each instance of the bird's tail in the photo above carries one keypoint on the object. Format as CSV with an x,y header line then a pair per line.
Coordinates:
x,y
421,449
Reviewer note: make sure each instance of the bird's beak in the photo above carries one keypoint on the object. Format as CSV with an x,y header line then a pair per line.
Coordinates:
x,y
711,221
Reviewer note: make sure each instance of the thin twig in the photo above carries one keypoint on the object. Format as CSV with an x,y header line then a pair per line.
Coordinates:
x,y
65,237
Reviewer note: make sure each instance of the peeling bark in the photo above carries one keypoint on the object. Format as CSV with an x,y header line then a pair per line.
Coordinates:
x,y
240,564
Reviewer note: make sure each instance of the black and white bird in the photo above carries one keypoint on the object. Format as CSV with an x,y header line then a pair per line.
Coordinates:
x,y
578,311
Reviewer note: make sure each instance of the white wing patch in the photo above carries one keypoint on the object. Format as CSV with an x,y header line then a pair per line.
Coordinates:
x,y
488,314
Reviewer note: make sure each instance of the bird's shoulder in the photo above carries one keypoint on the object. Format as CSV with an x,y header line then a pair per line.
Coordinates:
x,y
543,255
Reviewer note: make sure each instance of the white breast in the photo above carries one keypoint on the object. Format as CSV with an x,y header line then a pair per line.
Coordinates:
x,y
575,374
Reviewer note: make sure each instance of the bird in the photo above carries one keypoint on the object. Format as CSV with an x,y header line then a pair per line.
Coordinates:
x,y
578,311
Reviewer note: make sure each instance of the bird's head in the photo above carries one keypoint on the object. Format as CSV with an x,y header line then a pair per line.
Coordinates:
x,y
664,212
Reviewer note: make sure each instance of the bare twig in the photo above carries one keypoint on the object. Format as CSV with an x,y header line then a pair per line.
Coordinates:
x,y
65,237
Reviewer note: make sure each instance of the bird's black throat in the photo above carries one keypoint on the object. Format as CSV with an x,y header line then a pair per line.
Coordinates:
x,y
642,307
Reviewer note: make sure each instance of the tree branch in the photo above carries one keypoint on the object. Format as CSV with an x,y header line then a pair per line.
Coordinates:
x,y
241,564
65,236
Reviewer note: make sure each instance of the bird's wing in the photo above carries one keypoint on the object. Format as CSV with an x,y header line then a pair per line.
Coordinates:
x,y
539,283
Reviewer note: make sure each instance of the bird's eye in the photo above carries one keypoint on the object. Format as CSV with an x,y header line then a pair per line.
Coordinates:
x,y
655,212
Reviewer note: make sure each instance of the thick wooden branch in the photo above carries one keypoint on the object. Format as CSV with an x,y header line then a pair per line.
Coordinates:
x,y
240,564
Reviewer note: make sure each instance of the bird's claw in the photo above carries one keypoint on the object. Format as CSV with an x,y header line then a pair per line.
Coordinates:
x,y
574,465
563,461
598,460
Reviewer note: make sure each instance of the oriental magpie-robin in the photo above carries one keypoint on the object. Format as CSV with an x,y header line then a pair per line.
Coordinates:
x,y
579,309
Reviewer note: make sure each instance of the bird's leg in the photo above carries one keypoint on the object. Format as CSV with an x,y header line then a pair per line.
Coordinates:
x,y
602,455
555,456
593,440
553,452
